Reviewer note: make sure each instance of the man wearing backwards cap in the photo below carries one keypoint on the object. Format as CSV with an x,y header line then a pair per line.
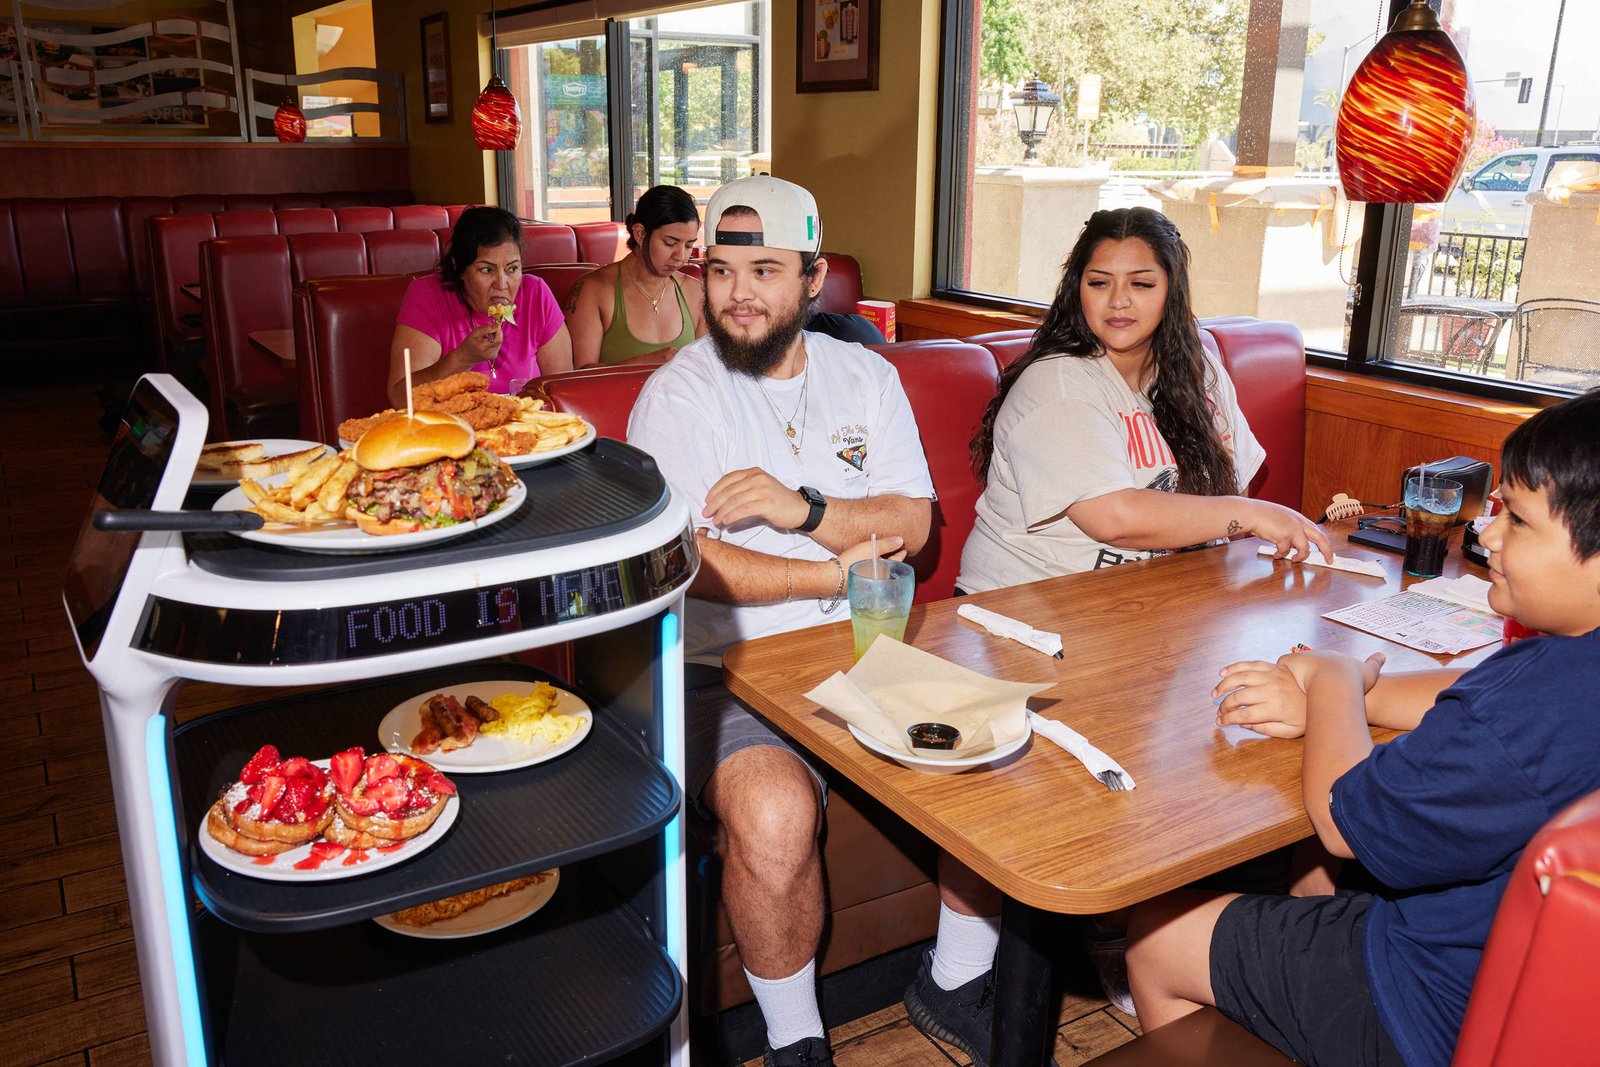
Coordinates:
x,y
793,449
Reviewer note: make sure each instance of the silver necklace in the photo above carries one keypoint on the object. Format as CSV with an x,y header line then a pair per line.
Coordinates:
x,y
800,412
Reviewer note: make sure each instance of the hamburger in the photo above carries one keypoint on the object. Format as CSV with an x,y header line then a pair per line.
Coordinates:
x,y
423,473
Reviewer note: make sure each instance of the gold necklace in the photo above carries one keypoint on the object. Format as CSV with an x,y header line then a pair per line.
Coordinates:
x,y
655,301
796,440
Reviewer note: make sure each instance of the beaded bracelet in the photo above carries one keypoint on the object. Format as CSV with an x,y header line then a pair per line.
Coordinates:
x,y
838,593
788,581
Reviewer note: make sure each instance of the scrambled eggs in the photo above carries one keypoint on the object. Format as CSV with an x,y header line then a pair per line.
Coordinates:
x,y
529,719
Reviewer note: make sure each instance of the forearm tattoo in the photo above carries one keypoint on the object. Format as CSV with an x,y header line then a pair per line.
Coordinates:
x,y
1234,527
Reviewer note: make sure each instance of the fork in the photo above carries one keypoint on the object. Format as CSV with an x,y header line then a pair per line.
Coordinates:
x,y
1112,781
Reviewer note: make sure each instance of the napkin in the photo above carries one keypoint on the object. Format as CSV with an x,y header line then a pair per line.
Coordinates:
x,y
1094,761
1021,632
895,686
1339,563
1467,590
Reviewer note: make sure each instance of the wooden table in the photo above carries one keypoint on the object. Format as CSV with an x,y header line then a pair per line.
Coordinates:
x,y
1143,645
276,345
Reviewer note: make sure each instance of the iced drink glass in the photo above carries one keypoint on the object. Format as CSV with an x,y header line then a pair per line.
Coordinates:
x,y
1431,507
880,593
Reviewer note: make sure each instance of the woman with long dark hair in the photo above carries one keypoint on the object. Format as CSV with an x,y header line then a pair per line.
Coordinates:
x,y
1117,436
446,322
640,309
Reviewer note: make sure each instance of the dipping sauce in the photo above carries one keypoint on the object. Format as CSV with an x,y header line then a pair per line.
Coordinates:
x,y
933,735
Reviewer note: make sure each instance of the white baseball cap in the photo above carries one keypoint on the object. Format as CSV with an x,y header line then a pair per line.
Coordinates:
x,y
788,214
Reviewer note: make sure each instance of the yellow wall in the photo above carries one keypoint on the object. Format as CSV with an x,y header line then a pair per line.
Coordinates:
x,y
868,157
355,48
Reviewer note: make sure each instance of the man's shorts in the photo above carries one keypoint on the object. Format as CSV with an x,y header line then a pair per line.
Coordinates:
x,y
718,724
1291,970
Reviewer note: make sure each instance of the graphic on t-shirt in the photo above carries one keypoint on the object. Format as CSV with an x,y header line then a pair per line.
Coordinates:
x,y
1146,448
854,440
1166,481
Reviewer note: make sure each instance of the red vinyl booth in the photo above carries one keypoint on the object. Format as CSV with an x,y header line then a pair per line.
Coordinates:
x,y
560,277
841,289
601,242
249,278
420,216
245,223
307,220
544,242
342,330
400,251
361,218
325,255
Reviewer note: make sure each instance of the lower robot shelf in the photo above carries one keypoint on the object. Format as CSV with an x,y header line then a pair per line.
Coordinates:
x,y
570,984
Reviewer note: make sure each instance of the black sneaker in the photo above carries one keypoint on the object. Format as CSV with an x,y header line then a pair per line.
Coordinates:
x,y
963,1017
807,1052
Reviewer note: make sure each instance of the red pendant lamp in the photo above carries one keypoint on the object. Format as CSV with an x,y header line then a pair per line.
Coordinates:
x,y
1406,121
289,123
496,118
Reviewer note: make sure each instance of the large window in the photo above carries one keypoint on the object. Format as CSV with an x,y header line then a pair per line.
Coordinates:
x,y
693,111
1227,127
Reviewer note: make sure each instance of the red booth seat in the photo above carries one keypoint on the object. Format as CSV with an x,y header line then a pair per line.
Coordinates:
x,y
247,283
342,329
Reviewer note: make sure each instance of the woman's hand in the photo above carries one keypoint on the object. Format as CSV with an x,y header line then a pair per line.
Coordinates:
x,y
1291,532
480,346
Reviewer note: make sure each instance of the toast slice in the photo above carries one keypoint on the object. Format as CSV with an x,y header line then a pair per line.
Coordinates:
x,y
261,468
214,456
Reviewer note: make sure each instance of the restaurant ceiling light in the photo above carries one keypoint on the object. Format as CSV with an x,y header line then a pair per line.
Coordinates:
x,y
1406,122
289,123
1032,108
496,118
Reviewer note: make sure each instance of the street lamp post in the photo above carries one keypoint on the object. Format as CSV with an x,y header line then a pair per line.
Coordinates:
x,y
1032,108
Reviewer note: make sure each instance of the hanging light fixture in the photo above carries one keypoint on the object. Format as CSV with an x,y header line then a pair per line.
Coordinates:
x,y
289,123
496,118
1406,122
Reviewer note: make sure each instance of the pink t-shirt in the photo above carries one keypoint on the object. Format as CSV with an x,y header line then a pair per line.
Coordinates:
x,y
436,311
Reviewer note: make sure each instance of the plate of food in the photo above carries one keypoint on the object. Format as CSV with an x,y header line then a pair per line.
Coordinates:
x,y
478,911
303,820
409,483
484,727
227,462
518,429
931,764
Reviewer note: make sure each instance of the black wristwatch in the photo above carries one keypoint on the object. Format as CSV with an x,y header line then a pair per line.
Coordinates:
x,y
819,504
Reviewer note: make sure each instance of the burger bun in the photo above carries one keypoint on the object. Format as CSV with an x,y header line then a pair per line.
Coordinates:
x,y
367,524
411,442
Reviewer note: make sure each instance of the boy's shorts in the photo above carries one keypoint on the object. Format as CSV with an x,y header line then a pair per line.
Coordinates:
x,y
1291,971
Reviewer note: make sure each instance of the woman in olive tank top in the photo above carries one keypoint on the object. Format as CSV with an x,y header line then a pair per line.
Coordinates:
x,y
640,309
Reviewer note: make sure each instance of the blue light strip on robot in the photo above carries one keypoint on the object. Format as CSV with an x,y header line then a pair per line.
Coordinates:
x,y
172,894
672,742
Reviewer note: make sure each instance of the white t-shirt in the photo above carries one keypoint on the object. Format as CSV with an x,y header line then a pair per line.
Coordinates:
x,y
1071,429
857,438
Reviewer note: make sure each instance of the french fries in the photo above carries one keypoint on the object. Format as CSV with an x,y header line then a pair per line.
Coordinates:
x,y
311,492
533,430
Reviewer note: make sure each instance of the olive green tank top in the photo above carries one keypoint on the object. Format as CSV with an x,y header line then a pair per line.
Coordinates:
x,y
618,343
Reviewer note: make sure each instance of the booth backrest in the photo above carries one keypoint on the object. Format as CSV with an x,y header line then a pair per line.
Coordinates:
x,y
307,220
420,216
246,280
842,287
1007,346
342,329
175,242
546,242
244,223
601,242
325,255
400,251
362,219
602,395
560,277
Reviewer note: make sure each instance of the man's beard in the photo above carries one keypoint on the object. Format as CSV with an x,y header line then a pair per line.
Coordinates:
x,y
756,358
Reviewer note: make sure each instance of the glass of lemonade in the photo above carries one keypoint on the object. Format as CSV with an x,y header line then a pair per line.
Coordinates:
x,y
880,593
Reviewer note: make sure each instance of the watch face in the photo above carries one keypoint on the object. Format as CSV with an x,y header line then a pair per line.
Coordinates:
x,y
811,496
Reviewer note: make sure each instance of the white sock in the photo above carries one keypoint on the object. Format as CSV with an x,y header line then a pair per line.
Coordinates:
x,y
789,1006
965,947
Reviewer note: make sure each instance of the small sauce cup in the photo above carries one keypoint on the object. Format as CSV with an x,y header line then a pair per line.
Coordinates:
x,y
933,735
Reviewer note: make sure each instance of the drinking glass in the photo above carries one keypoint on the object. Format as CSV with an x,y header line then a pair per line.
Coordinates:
x,y
1431,508
880,592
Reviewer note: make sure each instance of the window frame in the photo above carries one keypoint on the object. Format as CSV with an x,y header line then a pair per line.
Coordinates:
x,y
1379,269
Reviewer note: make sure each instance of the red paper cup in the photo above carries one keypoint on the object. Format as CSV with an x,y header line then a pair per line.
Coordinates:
x,y
880,313
1513,631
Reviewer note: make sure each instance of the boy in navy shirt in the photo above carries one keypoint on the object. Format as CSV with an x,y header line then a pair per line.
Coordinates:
x,y
1439,816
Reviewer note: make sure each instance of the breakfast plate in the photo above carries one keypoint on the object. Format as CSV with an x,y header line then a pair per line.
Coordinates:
x,y
935,764
531,459
335,539
272,447
329,861
487,754
497,913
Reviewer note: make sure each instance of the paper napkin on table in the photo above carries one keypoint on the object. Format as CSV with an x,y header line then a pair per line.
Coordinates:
x,y
895,686
1005,626
1467,590
1339,563
1094,761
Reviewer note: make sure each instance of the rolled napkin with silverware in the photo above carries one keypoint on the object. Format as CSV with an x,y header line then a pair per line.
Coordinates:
x,y
1107,770
1005,626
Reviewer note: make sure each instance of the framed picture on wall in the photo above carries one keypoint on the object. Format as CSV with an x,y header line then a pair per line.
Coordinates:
x,y
838,46
436,68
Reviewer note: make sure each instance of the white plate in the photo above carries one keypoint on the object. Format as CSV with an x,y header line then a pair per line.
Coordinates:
x,y
528,459
496,914
275,446
281,868
352,539
935,765
487,754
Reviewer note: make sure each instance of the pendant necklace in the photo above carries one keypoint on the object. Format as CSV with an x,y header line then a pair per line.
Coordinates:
x,y
796,439
655,301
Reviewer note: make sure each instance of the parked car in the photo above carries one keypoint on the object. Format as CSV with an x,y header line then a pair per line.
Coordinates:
x,y
1494,198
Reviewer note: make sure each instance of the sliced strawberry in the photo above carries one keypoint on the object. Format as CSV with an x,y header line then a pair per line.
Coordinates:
x,y
345,769
381,766
297,767
272,788
362,805
435,782
325,849
264,760
301,801
391,794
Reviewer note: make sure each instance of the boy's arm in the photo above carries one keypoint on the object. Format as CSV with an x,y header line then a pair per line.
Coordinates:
x,y
1398,701
1337,735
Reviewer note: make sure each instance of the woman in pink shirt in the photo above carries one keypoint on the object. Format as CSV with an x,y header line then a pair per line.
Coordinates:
x,y
444,320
